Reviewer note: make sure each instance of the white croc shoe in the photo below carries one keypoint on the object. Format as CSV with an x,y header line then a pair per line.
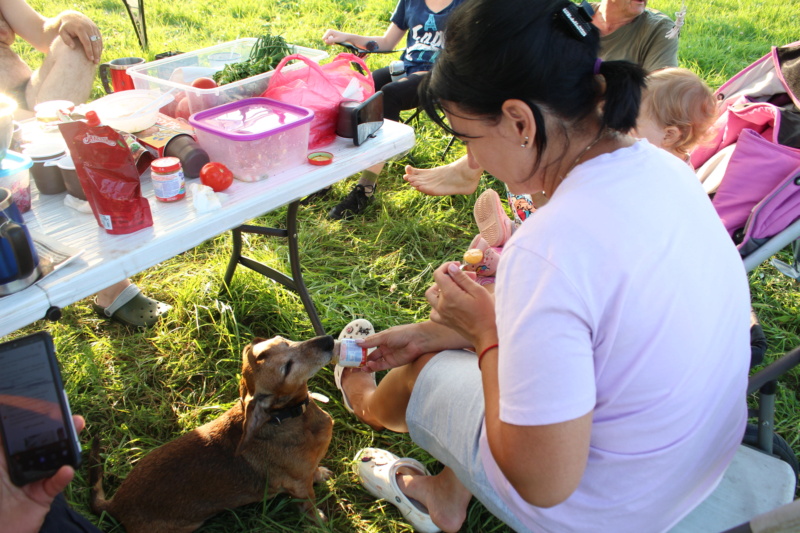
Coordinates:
x,y
357,329
377,470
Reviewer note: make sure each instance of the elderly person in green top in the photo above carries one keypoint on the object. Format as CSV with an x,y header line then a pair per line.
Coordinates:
x,y
628,30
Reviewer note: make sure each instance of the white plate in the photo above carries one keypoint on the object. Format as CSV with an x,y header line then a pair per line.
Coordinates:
x,y
130,111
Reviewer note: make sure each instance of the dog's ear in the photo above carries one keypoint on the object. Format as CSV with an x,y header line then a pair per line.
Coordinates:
x,y
255,416
246,386
243,388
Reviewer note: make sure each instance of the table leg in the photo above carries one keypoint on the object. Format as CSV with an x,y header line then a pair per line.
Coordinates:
x,y
295,282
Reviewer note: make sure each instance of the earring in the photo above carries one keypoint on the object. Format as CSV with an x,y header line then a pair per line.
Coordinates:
x,y
525,144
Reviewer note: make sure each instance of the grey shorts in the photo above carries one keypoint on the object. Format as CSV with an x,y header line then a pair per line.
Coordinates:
x,y
445,416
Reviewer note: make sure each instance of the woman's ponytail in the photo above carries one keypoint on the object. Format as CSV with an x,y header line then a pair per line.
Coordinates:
x,y
623,94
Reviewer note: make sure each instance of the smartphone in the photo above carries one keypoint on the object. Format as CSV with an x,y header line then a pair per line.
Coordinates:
x,y
35,419
367,118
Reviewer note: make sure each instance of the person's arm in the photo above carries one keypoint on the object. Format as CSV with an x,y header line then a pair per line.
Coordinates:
x,y
543,463
75,29
26,23
400,345
388,41
23,509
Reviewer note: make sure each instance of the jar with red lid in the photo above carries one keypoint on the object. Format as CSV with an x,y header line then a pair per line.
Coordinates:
x,y
168,181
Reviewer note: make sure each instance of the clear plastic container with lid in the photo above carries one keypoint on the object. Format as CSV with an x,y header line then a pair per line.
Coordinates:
x,y
255,137
168,182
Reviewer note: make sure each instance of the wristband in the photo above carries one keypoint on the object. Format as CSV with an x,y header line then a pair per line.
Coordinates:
x,y
485,350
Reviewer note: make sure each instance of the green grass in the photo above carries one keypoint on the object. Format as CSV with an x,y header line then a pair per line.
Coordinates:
x,y
139,389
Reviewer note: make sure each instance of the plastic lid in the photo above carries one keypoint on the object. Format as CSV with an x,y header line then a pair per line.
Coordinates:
x,y
320,159
13,162
44,151
251,119
165,164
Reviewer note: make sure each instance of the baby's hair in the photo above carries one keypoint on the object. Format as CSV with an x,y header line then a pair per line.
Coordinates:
x,y
678,97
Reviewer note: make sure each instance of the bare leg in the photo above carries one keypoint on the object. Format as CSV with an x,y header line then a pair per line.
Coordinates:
x,y
105,297
445,497
65,74
367,179
383,406
456,178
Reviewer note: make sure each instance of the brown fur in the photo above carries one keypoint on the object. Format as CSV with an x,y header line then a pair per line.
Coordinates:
x,y
238,458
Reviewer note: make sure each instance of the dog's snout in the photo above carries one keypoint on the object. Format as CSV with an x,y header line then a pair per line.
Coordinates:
x,y
323,342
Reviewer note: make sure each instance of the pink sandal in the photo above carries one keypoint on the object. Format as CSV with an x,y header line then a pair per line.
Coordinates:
x,y
492,220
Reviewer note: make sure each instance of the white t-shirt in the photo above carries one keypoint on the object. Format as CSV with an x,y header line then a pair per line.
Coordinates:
x,y
605,303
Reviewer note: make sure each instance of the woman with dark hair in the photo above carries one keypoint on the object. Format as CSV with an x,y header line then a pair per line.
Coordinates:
x,y
608,389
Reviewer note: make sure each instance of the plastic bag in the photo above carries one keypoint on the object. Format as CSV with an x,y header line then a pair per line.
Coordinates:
x,y
109,177
321,88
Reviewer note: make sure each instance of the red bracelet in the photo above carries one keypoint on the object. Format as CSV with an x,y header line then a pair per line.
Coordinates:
x,y
492,347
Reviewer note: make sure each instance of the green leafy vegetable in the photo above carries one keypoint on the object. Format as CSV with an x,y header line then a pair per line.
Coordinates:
x,y
265,55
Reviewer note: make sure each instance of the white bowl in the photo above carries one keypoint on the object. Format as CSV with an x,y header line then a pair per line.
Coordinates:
x,y
130,111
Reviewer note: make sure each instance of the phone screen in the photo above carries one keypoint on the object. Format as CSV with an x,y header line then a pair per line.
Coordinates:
x,y
38,434
368,118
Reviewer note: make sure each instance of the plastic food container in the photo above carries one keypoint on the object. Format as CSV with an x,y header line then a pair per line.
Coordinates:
x,y
15,176
45,172
179,71
130,111
71,181
255,137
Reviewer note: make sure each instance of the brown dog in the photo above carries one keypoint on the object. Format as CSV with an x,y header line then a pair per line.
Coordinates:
x,y
270,442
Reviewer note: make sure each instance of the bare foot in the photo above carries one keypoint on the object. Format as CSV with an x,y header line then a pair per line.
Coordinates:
x,y
106,297
359,387
443,495
455,178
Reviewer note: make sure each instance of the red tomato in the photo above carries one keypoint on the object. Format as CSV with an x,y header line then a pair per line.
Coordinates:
x,y
204,83
182,109
216,175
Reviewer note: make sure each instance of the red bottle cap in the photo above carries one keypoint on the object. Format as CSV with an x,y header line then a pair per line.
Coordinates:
x,y
320,158
164,165
92,119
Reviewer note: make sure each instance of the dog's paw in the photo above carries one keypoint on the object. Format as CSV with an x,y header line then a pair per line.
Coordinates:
x,y
322,474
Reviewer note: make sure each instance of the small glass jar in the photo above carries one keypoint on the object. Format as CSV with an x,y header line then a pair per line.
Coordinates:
x,y
167,176
349,354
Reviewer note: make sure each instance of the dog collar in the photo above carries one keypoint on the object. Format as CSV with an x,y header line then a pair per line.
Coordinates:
x,y
288,412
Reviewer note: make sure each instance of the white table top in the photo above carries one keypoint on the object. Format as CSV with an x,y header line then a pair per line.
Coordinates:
x,y
177,226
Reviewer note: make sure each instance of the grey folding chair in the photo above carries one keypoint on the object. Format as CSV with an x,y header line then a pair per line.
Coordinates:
x,y
762,478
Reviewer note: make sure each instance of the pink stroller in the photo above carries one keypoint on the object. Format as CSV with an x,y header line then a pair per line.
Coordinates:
x,y
752,167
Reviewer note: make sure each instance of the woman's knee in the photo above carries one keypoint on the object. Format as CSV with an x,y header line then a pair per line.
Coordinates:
x,y
413,370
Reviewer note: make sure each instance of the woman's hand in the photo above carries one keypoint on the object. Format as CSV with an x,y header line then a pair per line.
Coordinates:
x,y
75,28
22,509
460,303
400,345
396,346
